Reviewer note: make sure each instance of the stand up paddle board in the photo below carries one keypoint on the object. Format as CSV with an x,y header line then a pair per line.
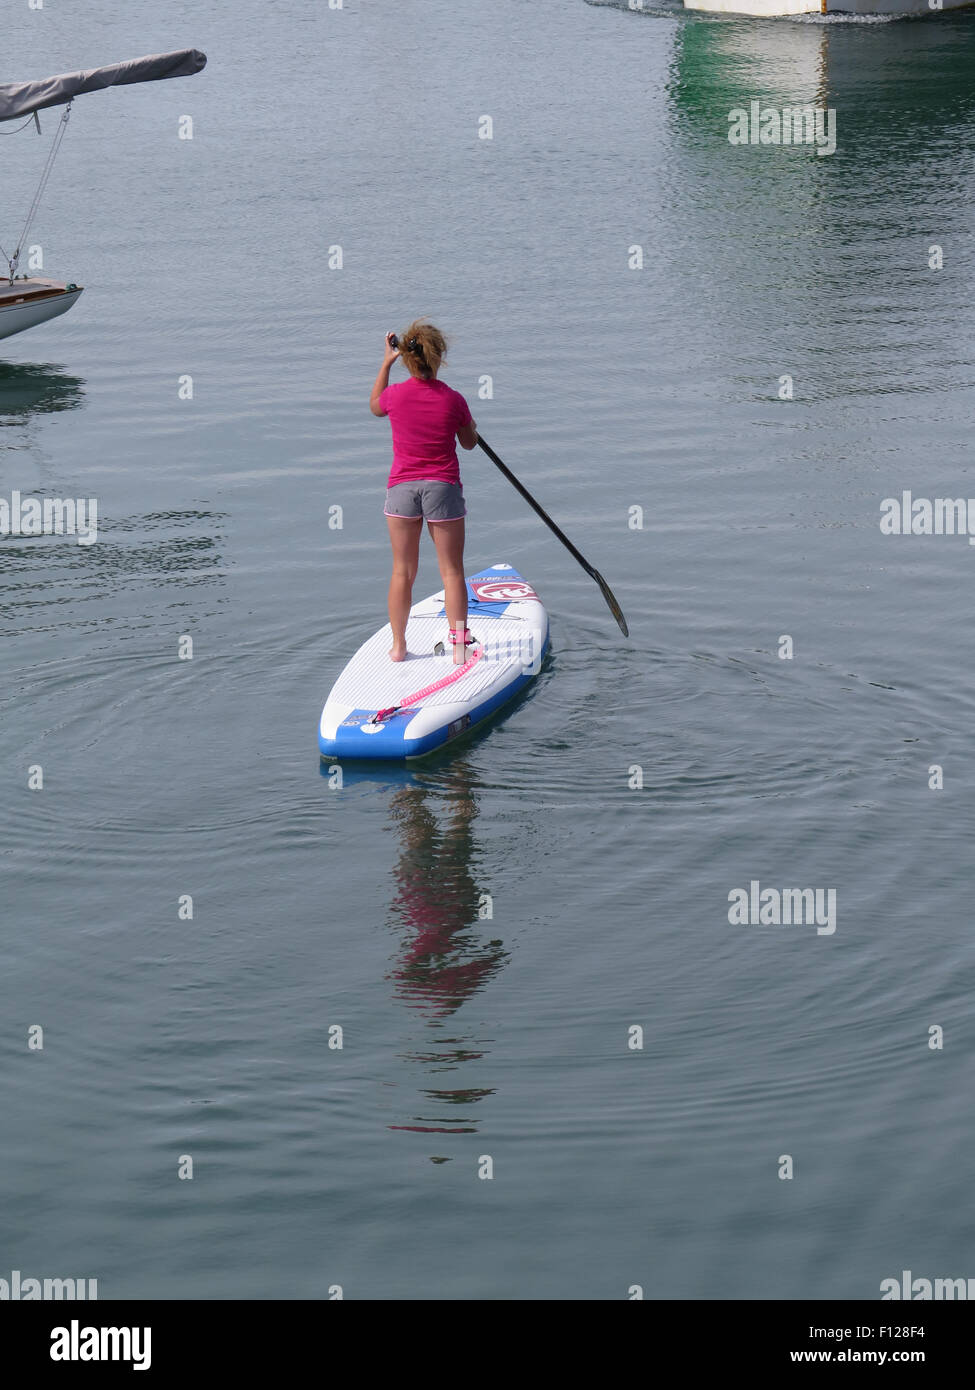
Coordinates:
x,y
402,709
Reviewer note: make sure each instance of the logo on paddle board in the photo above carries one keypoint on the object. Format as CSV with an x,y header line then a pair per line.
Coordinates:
x,y
501,590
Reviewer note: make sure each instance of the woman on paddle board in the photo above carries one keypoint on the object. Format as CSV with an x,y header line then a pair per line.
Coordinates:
x,y
428,420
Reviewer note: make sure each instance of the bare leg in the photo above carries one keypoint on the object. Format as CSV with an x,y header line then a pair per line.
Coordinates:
x,y
404,533
448,537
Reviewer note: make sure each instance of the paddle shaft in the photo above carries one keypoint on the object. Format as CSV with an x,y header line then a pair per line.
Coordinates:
x,y
534,505
557,530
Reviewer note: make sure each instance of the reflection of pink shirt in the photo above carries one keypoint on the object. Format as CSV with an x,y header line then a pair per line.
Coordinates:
x,y
425,417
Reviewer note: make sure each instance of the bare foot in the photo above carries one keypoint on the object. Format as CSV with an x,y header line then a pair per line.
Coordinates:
x,y
397,653
460,654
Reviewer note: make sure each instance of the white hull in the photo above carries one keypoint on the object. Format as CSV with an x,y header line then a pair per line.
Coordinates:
x,y
762,8
26,303
774,9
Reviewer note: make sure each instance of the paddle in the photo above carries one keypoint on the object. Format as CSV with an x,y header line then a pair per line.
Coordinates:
x,y
607,592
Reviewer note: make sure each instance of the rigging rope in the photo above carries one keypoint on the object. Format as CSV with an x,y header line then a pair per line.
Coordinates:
x,y
31,117
13,260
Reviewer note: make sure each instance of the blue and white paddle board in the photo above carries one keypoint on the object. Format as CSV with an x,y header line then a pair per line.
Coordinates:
x,y
510,628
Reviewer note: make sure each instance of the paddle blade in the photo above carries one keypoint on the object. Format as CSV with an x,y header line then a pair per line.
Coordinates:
x,y
610,598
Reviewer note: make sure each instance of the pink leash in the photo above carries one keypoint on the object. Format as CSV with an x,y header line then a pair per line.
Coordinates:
x,y
382,714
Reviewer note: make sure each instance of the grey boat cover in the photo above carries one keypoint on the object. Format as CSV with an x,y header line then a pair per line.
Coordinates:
x,y
21,98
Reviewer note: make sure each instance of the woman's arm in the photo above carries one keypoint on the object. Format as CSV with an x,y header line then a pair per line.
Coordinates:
x,y
467,436
382,380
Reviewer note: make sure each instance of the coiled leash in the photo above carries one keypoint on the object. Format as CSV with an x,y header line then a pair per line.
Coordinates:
x,y
382,715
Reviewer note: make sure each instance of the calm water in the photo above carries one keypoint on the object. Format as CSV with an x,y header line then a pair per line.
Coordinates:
x,y
614,388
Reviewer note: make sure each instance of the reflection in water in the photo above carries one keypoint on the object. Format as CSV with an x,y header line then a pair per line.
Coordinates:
x,y
720,65
891,82
445,958
787,256
39,388
48,581
27,391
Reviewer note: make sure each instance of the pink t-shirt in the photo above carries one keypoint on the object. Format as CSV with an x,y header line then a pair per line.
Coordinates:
x,y
425,417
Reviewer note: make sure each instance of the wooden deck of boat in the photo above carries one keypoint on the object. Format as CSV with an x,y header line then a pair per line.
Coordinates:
x,y
24,291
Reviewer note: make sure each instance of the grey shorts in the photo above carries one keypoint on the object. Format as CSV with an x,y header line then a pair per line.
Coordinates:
x,y
426,498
